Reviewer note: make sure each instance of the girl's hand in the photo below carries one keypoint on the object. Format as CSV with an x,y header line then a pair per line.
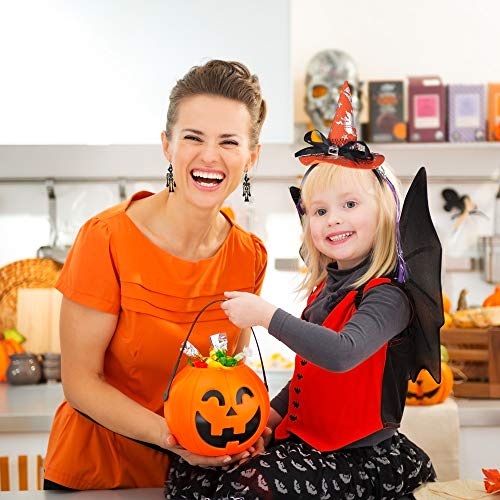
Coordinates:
x,y
246,309
202,460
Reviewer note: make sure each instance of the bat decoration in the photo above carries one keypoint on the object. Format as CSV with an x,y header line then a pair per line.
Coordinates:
x,y
462,203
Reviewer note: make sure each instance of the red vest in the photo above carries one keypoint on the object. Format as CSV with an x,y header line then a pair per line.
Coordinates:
x,y
330,410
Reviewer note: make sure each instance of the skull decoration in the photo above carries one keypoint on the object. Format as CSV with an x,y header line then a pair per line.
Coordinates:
x,y
326,73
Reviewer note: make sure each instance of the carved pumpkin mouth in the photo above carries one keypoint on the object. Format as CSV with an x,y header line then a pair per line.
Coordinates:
x,y
425,395
204,428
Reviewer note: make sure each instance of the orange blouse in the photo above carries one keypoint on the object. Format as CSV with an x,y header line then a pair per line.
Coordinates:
x,y
114,268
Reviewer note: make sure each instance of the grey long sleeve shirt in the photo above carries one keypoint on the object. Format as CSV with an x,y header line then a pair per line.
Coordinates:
x,y
383,313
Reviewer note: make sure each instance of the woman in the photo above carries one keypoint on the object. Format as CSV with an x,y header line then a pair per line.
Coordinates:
x,y
136,277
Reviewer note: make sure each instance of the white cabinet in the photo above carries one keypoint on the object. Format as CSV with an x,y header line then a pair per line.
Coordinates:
x,y
93,72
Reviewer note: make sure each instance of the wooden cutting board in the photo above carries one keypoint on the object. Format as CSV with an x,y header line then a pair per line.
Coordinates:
x,y
38,319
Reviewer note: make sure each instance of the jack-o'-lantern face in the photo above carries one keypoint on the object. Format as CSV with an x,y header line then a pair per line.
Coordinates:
x,y
426,391
219,421
217,411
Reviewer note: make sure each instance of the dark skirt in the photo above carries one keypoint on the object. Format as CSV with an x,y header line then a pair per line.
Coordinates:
x,y
292,469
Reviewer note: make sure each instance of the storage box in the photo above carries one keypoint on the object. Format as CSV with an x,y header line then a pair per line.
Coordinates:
x,y
466,113
475,352
494,111
387,122
426,109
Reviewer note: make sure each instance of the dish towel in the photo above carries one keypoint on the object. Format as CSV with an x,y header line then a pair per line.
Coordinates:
x,y
454,490
435,428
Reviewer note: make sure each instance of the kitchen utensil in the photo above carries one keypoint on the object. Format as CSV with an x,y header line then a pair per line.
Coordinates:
x,y
489,262
51,366
38,319
27,273
53,250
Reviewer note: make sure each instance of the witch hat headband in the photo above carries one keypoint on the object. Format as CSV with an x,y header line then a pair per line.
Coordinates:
x,y
342,148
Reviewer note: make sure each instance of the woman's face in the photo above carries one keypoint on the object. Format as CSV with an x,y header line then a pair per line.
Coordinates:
x,y
209,148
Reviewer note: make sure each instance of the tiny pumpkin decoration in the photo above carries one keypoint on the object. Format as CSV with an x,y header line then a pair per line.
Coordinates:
x,y
446,303
426,391
448,320
217,411
8,346
493,299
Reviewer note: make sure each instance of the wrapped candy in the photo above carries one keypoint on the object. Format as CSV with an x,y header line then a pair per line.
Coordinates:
x,y
217,358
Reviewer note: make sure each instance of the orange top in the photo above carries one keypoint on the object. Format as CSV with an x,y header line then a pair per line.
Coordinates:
x,y
114,268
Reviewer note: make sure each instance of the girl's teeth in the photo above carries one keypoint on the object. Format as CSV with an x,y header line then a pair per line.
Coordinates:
x,y
340,237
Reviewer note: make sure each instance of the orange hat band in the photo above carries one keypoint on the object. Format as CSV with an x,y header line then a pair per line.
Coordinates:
x,y
355,154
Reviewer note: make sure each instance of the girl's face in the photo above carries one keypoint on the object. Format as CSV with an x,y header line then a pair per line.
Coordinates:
x,y
209,149
343,221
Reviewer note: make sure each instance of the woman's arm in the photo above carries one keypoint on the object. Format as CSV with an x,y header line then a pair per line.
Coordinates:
x,y
85,335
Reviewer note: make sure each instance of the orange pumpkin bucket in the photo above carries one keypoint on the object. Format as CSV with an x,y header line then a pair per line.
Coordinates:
x,y
216,411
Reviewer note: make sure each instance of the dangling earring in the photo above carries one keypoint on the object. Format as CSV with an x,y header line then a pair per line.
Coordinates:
x,y
246,188
170,179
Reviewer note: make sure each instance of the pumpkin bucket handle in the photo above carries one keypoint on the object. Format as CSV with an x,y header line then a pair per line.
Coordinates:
x,y
167,391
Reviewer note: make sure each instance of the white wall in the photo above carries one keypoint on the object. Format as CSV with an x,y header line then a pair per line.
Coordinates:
x,y
456,39
100,71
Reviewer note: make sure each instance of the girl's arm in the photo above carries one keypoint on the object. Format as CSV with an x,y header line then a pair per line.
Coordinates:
x,y
383,313
85,335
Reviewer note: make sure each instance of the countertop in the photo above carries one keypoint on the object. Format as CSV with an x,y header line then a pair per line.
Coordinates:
x,y
31,408
136,494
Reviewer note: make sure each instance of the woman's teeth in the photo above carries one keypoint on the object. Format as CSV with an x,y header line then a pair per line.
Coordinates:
x,y
339,237
207,179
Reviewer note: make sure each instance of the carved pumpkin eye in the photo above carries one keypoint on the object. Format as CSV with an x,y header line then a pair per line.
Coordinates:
x,y
241,391
214,394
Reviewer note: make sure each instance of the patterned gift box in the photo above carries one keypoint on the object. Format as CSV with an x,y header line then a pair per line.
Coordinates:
x,y
386,111
426,109
494,112
466,113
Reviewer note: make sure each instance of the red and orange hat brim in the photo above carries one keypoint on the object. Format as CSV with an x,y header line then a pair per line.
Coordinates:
x,y
343,162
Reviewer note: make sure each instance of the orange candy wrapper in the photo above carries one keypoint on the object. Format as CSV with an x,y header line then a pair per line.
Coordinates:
x,y
491,480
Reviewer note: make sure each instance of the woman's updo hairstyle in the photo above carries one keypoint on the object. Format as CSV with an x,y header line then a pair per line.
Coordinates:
x,y
228,79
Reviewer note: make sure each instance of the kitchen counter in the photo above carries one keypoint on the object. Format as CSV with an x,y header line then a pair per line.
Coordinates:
x,y
28,408
136,494
31,408
26,414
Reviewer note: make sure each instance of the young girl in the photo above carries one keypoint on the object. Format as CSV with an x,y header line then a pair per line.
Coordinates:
x,y
335,423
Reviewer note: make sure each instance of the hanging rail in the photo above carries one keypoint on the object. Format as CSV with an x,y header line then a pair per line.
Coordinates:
x,y
438,179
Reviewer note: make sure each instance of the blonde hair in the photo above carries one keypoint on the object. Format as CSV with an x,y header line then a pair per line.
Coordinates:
x,y
383,256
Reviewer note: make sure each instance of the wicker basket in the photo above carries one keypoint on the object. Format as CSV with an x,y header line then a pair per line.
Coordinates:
x,y
27,273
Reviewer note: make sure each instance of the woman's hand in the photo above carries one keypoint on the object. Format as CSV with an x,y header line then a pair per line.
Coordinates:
x,y
202,460
263,442
246,309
